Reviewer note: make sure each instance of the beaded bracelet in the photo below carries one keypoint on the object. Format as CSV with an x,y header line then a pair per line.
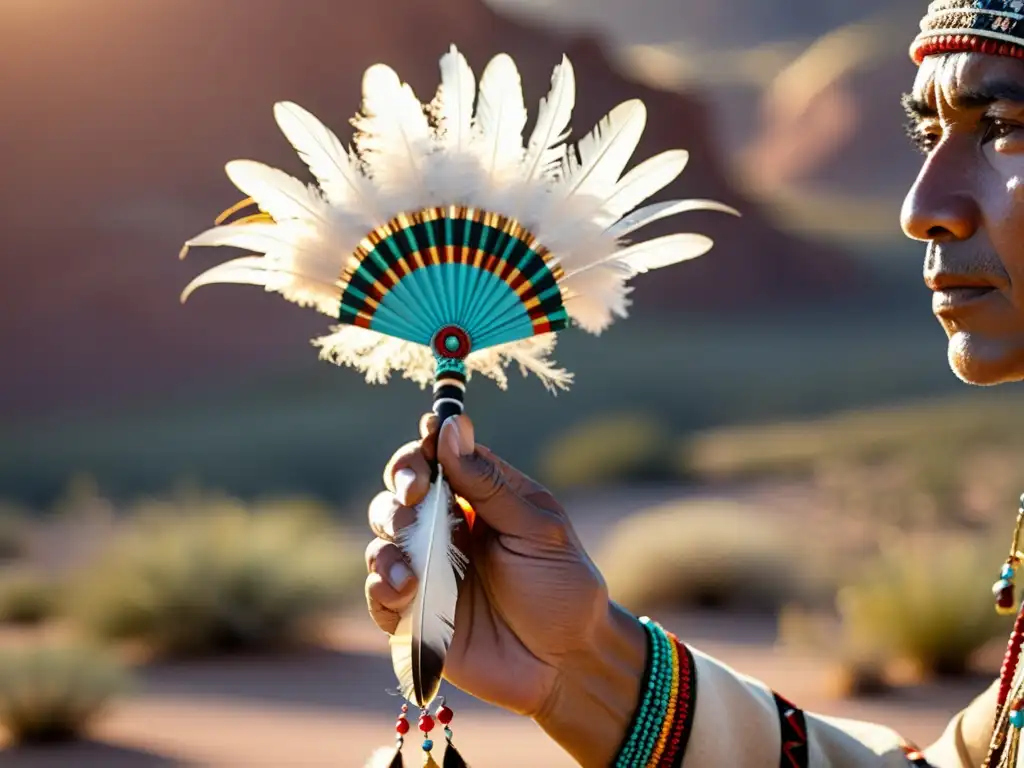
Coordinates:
x,y
660,726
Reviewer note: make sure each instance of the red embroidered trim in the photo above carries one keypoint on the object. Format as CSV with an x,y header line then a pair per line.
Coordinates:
x,y
794,752
964,43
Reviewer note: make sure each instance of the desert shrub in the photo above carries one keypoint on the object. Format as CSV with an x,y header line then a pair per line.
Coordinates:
x,y
926,603
28,598
55,693
14,532
707,554
607,450
217,577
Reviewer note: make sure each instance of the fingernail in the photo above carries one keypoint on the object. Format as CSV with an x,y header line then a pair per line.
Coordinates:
x,y
404,478
450,435
399,575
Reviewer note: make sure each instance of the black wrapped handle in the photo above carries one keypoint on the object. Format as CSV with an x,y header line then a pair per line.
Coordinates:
x,y
449,400
449,395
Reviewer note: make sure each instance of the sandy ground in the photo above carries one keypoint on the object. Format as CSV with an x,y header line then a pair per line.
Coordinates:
x,y
330,707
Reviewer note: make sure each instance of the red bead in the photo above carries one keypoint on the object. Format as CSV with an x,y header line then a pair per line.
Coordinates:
x,y
1004,599
426,723
405,708
402,725
445,715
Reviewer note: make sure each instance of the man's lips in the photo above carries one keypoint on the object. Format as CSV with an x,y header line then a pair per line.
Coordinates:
x,y
958,298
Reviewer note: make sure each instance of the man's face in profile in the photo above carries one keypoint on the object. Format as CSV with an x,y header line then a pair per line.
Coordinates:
x,y
967,116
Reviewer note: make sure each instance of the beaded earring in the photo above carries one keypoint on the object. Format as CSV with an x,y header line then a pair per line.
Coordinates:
x,y
1004,590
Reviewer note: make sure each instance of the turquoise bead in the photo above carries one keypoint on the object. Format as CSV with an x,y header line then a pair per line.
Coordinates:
x,y
1017,718
427,745
451,344
1007,572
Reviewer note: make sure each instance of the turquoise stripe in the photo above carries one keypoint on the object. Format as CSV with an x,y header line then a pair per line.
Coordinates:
x,y
446,309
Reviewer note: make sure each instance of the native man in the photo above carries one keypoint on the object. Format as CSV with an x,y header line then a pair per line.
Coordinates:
x,y
536,632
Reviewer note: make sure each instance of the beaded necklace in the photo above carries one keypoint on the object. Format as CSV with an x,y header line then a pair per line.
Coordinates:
x,y
1004,746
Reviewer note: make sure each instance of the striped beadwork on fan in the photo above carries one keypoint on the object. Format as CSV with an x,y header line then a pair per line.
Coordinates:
x,y
456,267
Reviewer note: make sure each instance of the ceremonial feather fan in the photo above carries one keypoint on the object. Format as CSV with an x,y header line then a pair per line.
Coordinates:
x,y
446,245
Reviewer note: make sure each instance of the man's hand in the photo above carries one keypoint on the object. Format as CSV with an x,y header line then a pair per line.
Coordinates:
x,y
532,597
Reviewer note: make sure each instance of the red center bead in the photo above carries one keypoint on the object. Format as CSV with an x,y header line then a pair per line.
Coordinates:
x,y
402,726
445,715
426,723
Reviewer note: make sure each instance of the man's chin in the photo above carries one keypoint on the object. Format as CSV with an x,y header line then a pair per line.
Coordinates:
x,y
984,361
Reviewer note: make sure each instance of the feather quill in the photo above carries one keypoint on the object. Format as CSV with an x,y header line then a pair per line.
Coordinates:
x,y
420,643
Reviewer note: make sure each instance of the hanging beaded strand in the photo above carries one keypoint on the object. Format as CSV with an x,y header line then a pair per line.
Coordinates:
x,y
1009,719
452,758
401,728
426,725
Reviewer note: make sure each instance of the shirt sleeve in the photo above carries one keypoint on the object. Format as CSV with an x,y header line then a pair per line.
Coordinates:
x,y
741,723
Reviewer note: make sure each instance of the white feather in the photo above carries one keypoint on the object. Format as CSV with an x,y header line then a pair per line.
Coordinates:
x,y
663,251
643,181
282,196
338,173
257,236
393,134
438,565
604,152
500,118
453,104
651,213
544,149
258,270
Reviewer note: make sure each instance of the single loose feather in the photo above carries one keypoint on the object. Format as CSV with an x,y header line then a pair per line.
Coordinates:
x,y
420,644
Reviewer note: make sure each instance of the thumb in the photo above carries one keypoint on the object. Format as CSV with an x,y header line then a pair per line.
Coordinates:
x,y
483,480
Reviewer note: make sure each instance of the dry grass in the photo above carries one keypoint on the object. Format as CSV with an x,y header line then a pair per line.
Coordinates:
x,y
216,577
55,693
28,598
703,555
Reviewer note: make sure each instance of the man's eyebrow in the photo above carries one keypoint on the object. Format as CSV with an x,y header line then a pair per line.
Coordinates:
x,y
967,99
917,109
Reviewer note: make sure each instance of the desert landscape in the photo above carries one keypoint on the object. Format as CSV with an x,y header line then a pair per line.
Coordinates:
x,y
773,433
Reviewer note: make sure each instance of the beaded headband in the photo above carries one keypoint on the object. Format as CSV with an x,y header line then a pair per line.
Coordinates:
x,y
981,26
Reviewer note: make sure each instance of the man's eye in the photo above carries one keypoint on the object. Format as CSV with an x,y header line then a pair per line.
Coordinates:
x,y
995,128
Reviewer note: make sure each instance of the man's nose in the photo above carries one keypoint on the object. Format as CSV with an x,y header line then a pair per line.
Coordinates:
x,y
941,205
